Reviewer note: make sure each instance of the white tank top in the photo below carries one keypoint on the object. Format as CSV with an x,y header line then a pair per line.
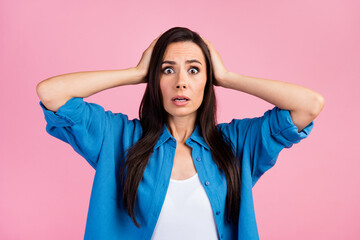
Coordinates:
x,y
186,212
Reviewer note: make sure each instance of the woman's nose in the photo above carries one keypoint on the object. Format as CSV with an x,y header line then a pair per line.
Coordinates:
x,y
181,83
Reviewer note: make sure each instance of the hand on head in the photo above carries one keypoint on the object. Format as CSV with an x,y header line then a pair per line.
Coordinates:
x,y
218,66
144,62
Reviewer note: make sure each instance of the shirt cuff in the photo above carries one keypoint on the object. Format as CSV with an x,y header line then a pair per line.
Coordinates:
x,y
284,130
67,115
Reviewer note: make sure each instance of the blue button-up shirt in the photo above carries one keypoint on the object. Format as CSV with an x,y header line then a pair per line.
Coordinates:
x,y
102,137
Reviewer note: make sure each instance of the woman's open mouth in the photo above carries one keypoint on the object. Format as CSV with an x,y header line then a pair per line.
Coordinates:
x,y
180,100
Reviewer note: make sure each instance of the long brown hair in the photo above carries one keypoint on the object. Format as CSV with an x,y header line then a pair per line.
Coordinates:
x,y
153,116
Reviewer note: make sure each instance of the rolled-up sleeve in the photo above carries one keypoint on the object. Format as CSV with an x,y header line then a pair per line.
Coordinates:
x,y
259,140
81,124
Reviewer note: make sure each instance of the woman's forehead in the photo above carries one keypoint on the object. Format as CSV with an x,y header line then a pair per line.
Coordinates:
x,y
183,51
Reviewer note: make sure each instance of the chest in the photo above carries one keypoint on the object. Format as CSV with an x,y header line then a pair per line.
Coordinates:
x,y
175,161
183,167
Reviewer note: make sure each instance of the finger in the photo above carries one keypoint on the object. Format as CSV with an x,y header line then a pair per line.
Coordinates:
x,y
206,41
155,40
209,45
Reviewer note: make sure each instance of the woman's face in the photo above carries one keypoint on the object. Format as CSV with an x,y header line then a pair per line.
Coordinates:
x,y
183,79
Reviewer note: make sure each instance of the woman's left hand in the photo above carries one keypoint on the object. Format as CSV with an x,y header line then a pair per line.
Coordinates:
x,y
219,69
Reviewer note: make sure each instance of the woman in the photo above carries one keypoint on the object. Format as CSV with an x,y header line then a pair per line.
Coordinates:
x,y
175,173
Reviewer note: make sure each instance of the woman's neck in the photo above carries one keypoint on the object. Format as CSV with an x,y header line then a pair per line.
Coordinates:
x,y
181,128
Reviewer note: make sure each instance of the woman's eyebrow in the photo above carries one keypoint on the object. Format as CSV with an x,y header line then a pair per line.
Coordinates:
x,y
187,61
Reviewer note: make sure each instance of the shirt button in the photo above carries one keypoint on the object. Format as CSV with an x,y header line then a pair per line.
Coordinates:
x,y
207,183
222,236
198,159
217,212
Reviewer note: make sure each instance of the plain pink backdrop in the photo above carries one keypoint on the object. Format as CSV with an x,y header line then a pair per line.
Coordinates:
x,y
313,190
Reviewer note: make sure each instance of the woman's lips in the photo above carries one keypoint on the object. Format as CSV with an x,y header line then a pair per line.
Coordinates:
x,y
180,100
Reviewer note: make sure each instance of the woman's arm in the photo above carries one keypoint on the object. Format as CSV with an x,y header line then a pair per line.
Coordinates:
x,y
56,91
304,104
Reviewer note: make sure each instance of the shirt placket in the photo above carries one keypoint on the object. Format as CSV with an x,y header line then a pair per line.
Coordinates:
x,y
208,183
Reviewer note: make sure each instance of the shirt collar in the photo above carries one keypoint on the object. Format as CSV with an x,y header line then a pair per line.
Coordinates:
x,y
195,136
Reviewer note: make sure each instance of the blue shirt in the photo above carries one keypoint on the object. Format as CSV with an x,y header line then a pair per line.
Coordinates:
x,y
102,138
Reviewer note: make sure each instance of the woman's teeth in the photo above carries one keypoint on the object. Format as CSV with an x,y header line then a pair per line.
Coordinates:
x,y
180,99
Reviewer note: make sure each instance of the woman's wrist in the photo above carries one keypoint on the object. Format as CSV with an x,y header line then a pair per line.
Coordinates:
x,y
137,75
140,74
224,80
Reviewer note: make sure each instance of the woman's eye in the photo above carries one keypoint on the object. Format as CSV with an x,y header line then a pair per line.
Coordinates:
x,y
194,70
167,70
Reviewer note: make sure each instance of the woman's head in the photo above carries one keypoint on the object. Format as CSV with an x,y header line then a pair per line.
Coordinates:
x,y
170,79
182,80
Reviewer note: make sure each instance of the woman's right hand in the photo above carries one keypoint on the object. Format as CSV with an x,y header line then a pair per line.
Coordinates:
x,y
143,65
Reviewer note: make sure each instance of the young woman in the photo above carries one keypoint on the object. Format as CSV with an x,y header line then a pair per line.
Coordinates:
x,y
175,173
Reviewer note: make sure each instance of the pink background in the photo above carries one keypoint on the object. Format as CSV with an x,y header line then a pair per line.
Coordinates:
x,y
313,190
